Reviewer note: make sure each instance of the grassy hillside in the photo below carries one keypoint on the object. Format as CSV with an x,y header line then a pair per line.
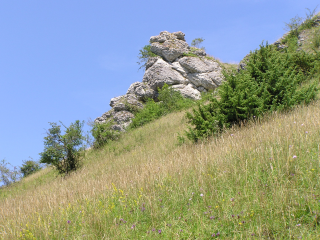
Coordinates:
x,y
260,181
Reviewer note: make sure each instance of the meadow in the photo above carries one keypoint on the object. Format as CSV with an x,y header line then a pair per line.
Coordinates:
x,y
260,181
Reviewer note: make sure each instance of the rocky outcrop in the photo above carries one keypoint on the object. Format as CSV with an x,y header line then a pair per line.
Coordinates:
x,y
160,73
187,69
170,46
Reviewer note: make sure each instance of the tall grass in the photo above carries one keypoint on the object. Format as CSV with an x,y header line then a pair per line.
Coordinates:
x,y
261,181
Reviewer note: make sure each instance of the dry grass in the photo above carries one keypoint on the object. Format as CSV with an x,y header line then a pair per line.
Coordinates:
x,y
253,165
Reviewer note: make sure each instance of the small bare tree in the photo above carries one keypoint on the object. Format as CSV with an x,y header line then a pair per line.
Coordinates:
x,y
197,42
293,25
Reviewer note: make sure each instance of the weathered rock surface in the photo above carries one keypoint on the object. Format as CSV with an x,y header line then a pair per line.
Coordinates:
x,y
208,81
169,46
188,91
141,90
197,65
173,65
151,61
160,73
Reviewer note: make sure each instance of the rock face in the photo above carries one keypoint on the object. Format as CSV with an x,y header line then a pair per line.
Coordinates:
x,y
187,69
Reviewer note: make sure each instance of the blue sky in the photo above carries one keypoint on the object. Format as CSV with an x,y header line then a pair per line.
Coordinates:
x,y
65,60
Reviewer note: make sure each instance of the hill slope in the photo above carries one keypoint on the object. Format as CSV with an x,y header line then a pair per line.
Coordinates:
x,y
260,180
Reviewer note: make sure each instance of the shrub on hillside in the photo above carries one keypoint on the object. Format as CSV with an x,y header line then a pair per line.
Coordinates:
x,y
271,81
64,152
169,101
29,167
103,134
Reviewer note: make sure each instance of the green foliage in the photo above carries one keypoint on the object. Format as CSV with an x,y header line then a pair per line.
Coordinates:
x,y
144,54
197,42
316,39
272,81
190,54
103,134
292,43
169,101
64,152
29,167
8,176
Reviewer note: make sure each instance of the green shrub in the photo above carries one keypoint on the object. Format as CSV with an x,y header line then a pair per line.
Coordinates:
x,y
271,81
190,54
169,101
144,54
29,167
64,152
103,134
292,43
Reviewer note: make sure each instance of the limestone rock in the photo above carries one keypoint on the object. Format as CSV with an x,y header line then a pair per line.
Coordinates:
x,y
197,65
180,35
141,90
198,51
168,45
151,61
128,100
106,117
160,73
123,120
202,80
114,100
187,91
176,66
120,113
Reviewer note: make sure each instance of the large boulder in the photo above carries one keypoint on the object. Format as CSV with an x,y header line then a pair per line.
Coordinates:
x,y
130,100
141,90
121,113
188,91
169,45
202,80
160,73
122,120
199,65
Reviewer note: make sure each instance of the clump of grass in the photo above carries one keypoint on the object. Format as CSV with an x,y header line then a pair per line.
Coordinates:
x,y
190,54
316,39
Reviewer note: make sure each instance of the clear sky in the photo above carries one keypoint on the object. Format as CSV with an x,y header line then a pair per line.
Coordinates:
x,y
65,59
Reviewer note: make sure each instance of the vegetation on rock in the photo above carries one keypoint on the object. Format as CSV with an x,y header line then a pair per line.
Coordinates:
x,y
144,55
